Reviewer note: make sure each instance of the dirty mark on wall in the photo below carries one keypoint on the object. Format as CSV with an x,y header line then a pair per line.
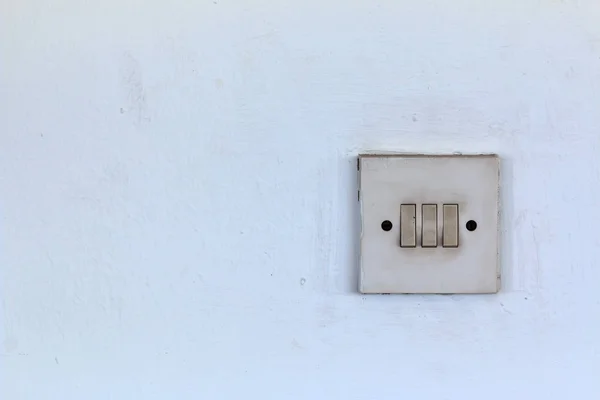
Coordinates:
x,y
132,83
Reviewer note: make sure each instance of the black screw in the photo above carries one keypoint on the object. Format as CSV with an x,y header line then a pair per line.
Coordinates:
x,y
386,225
471,225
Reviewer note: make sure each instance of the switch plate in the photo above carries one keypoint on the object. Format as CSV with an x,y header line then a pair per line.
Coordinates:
x,y
464,188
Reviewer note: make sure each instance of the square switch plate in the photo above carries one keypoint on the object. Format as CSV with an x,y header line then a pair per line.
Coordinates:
x,y
429,223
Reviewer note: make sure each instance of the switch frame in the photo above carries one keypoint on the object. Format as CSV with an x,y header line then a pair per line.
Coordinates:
x,y
470,181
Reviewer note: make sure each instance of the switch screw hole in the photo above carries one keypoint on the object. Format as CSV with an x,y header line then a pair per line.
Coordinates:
x,y
386,225
471,225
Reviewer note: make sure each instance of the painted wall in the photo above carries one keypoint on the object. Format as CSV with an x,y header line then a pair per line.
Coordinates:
x,y
178,197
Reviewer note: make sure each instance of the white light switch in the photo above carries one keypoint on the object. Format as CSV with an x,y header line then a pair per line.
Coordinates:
x,y
408,225
450,229
429,223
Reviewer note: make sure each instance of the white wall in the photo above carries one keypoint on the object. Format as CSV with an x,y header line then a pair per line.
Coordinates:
x,y
178,197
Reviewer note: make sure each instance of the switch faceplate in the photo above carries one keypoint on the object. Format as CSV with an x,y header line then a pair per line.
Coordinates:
x,y
443,211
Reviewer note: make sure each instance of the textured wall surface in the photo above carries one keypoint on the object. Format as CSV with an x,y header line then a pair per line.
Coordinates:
x,y
178,214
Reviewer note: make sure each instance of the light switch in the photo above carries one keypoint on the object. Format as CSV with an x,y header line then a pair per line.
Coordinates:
x,y
447,208
408,225
450,225
429,225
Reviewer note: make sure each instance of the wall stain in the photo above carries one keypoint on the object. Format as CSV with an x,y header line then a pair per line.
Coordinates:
x,y
135,93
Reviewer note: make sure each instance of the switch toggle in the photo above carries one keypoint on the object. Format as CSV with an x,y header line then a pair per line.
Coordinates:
x,y
408,225
450,229
429,225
